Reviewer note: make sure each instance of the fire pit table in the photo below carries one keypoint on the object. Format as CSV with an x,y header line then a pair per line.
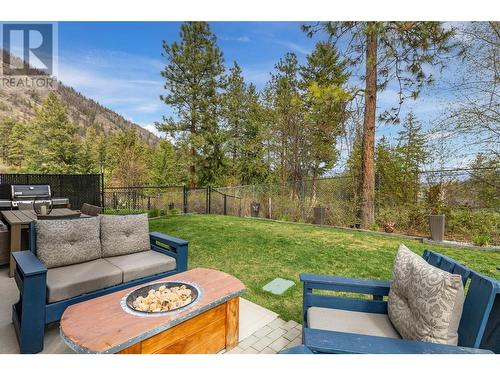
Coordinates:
x,y
207,324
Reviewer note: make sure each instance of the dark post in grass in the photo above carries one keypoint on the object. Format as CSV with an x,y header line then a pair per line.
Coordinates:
x,y
185,198
102,190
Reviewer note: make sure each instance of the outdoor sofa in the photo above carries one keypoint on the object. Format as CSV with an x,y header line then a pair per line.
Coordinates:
x,y
345,324
70,261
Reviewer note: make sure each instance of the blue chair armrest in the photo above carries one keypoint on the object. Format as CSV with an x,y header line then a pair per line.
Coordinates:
x,y
321,341
172,246
166,239
345,284
28,263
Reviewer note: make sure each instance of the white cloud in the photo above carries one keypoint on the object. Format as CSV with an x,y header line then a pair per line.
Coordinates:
x,y
294,47
151,107
241,39
256,75
441,134
152,129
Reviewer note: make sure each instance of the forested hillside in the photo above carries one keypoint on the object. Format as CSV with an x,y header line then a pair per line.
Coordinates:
x,y
21,105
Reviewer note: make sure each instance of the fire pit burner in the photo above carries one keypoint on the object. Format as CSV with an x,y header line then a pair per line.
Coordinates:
x,y
143,292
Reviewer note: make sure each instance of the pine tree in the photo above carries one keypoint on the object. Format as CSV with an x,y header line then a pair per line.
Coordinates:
x,y
390,52
283,93
89,155
166,165
16,148
252,166
6,127
51,145
234,113
127,160
193,79
243,116
413,154
323,81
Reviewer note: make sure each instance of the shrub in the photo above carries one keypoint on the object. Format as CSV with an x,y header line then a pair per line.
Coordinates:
x,y
174,211
122,211
374,227
154,212
481,239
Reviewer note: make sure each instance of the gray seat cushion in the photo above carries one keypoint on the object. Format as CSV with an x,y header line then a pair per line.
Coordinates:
x,y
124,234
143,264
74,280
68,241
351,322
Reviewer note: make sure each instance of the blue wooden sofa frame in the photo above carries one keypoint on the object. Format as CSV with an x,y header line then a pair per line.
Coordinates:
x,y
479,326
32,312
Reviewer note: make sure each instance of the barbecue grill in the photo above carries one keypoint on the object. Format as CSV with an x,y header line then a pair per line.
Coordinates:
x,y
28,194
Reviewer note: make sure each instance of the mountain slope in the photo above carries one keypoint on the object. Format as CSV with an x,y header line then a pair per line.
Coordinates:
x,y
21,104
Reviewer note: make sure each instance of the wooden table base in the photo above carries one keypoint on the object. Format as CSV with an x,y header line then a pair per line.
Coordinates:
x,y
207,333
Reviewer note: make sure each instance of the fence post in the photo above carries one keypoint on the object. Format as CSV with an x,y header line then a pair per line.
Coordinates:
x,y
185,198
102,191
206,200
149,202
209,199
225,204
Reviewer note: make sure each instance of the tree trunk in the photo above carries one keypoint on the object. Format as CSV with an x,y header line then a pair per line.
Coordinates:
x,y
192,167
368,171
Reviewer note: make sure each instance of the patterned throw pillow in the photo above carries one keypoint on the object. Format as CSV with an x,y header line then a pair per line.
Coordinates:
x,y
124,234
425,303
70,241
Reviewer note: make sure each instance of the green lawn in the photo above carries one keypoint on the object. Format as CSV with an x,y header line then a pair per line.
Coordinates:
x,y
257,251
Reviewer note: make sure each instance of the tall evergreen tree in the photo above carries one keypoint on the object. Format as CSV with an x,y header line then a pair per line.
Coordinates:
x,y
90,152
127,160
16,147
193,80
285,100
389,52
235,113
165,164
243,116
51,145
252,166
323,79
6,127
413,154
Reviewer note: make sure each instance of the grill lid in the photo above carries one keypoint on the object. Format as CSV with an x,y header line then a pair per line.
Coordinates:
x,y
21,192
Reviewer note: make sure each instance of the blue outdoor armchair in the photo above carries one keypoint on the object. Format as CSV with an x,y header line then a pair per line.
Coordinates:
x,y
35,310
478,332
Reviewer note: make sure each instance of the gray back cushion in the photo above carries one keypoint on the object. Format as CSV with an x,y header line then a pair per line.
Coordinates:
x,y
124,234
425,303
69,241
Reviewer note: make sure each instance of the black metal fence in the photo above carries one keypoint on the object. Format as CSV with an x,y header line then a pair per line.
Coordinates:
x,y
470,198
170,199
78,188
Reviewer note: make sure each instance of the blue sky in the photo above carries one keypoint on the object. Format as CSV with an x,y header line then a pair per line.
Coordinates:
x,y
118,64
